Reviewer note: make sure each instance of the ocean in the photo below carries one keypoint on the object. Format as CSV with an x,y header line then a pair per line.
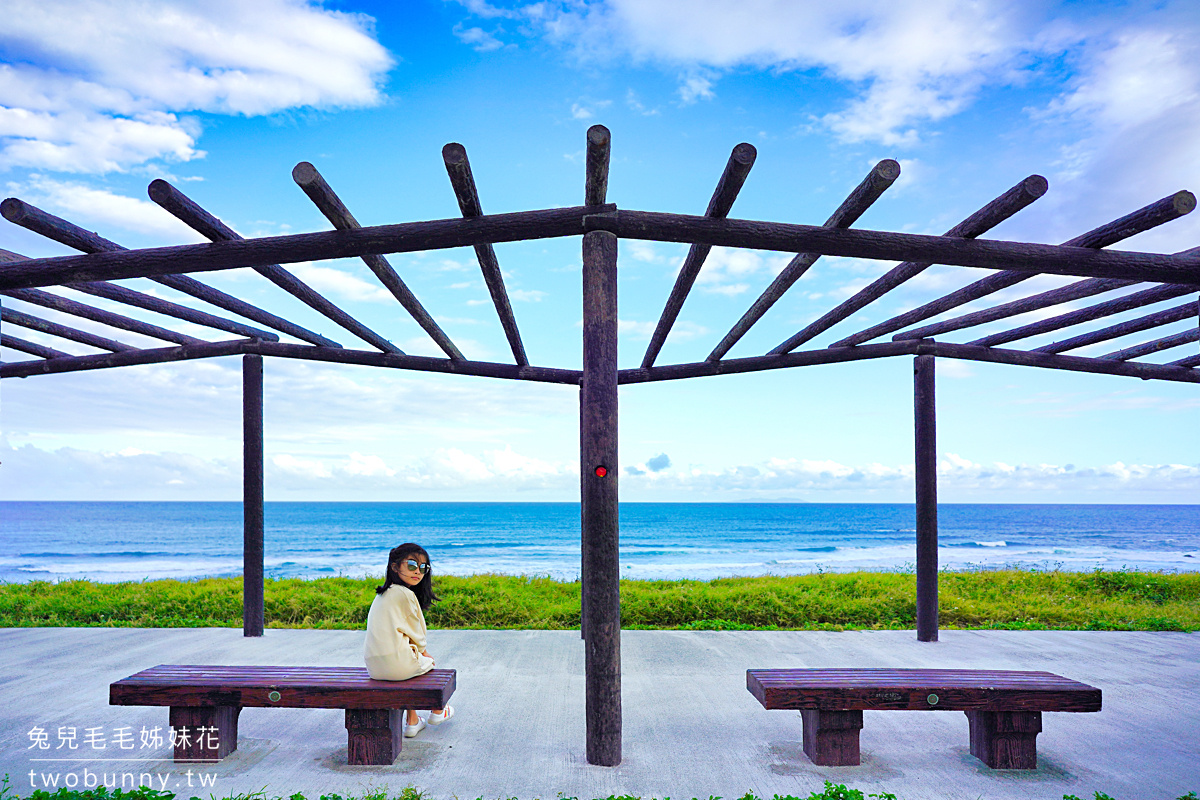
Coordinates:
x,y
118,541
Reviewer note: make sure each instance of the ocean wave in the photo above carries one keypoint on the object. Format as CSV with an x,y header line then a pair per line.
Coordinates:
x,y
998,543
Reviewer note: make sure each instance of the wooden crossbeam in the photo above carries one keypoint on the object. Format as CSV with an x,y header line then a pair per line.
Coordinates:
x,y
728,187
119,294
483,369
326,200
198,219
403,238
979,223
1157,319
1098,366
64,232
454,155
883,175
62,331
1144,219
1145,297
889,246
48,300
65,362
34,349
1189,361
1155,346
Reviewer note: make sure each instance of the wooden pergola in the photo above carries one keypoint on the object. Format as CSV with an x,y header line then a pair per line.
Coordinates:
x,y
1156,278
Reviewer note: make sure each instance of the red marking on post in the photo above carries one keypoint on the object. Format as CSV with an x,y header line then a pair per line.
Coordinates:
x,y
601,472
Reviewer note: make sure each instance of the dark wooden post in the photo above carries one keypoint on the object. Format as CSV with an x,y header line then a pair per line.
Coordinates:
x,y
598,445
252,495
926,480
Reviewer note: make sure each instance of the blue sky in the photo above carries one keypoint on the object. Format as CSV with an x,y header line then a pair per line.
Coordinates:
x,y
224,98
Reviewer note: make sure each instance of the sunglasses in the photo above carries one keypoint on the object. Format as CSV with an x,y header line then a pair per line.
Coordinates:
x,y
412,565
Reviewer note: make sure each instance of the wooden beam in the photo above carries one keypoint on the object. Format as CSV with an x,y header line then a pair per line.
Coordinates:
x,y
1155,346
977,224
728,187
483,369
65,362
252,495
861,243
1145,297
598,444
313,184
1189,361
119,294
732,366
864,195
1174,314
599,148
402,238
1064,294
193,215
32,348
48,300
997,355
454,155
64,232
1144,219
62,331
925,427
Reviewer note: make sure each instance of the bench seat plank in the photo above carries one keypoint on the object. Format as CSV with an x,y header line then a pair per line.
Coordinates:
x,y
298,687
911,690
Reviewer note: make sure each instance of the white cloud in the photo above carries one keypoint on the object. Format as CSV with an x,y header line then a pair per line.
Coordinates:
x,y
80,203
328,280
527,295
477,38
911,61
100,84
726,269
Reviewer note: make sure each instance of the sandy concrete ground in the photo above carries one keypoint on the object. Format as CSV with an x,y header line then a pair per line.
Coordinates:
x,y
690,727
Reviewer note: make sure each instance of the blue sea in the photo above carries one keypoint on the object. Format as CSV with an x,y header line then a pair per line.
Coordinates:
x,y
134,541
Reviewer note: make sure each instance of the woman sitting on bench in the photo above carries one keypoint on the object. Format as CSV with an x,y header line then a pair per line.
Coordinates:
x,y
395,645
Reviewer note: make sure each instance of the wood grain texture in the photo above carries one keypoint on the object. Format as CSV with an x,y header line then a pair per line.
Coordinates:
x,y
737,168
831,738
252,495
884,689
925,480
326,200
192,214
977,224
374,736
64,362
860,243
1165,317
75,308
1005,739
1099,366
14,317
401,238
298,687
599,150
882,176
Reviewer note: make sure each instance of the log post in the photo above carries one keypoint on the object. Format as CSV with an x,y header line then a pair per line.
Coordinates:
x,y
252,495
926,489
600,574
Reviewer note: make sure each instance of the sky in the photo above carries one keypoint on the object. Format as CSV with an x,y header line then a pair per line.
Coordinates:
x,y
222,98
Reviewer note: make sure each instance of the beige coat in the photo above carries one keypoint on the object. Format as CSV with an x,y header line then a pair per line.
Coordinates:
x,y
396,636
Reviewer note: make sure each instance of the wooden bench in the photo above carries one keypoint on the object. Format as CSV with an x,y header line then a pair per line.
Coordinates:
x,y
205,703
1004,709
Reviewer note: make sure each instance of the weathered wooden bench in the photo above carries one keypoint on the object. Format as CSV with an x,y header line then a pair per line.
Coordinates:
x,y
1004,709
205,703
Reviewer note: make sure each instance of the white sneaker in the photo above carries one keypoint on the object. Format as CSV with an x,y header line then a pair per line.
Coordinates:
x,y
412,730
438,719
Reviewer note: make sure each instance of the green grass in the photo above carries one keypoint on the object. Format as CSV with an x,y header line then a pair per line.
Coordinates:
x,y
1003,599
830,791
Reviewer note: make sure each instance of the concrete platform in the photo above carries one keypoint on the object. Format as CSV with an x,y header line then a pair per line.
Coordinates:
x,y
690,727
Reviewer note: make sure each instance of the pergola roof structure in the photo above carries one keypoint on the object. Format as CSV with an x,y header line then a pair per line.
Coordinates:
x,y
1104,275
1116,282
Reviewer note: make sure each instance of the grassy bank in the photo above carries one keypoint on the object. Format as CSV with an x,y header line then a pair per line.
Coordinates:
x,y
1012,599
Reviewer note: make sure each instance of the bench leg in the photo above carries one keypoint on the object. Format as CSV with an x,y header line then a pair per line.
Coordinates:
x,y
374,735
831,737
1005,739
204,733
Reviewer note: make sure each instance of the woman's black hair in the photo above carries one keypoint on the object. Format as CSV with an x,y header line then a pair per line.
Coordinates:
x,y
424,589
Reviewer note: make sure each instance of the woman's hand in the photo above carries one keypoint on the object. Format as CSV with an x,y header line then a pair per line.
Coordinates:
x,y
426,654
